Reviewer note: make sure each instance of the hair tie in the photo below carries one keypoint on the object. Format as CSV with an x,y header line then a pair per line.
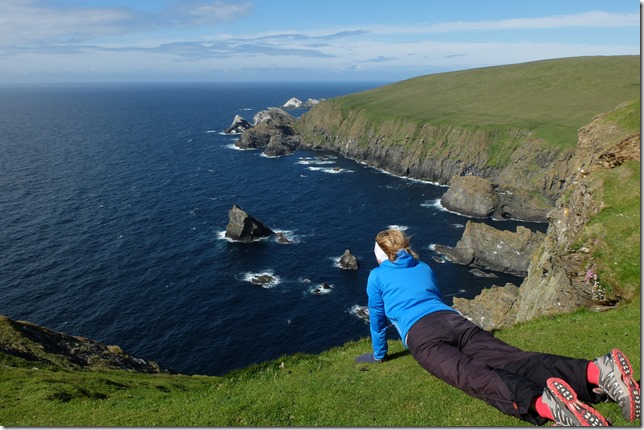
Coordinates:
x,y
380,254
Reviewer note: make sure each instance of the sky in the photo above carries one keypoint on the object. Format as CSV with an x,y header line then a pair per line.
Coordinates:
x,y
298,40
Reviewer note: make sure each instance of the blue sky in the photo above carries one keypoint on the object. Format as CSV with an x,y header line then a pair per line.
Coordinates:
x,y
298,40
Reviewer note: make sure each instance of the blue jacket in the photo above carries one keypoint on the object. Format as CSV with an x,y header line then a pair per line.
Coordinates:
x,y
403,291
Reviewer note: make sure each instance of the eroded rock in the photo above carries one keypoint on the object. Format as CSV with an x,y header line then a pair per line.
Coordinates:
x,y
244,228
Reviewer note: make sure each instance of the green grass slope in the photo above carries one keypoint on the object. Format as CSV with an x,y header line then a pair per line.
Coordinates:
x,y
328,389
552,97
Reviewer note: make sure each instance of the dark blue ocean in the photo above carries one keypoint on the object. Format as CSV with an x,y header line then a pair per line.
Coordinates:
x,y
114,200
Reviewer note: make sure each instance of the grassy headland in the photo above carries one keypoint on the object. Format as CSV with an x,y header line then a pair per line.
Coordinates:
x,y
552,97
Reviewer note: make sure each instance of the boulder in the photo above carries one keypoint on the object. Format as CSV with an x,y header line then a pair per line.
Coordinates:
x,y
488,248
262,280
244,228
348,261
238,125
282,238
470,195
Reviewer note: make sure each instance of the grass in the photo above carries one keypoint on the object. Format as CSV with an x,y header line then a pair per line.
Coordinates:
x,y
552,97
328,389
616,230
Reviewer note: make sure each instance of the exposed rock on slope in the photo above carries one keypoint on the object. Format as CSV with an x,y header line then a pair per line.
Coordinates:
x,y
439,153
35,343
481,198
492,249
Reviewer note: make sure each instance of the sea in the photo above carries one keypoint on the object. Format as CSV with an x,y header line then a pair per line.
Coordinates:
x,y
115,199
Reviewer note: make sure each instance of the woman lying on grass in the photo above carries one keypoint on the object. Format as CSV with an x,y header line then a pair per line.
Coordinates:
x,y
531,386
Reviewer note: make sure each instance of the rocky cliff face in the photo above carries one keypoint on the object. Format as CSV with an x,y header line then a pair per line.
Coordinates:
x,y
439,153
558,275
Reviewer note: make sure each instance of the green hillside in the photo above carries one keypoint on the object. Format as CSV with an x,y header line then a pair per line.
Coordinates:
x,y
552,97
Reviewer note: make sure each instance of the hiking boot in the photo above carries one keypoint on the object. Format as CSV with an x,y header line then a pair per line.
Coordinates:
x,y
566,409
616,380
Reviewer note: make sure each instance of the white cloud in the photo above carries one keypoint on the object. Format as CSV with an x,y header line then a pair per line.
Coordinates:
x,y
198,13
586,20
24,22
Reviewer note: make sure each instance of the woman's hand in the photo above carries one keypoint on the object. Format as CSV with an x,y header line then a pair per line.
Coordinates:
x,y
368,358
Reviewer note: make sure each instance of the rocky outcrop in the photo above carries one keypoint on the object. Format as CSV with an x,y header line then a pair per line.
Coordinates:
x,y
309,103
348,261
488,248
273,131
32,342
244,228
492,309
481,198
293,103
471,196
238,125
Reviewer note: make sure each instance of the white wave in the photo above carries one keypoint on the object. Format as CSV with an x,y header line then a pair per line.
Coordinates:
x,y
212,131
321,289
288,235
252,278
432,247
422,181
269,156
439,260
398,227
237,148
336,261
221,235
245,108
361,312
314,161
436,204
334,170
457,225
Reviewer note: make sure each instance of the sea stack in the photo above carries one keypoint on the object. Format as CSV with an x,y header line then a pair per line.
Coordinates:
x,y
244,228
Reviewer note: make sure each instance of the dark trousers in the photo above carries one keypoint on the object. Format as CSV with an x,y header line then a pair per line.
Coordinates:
x,y
465,356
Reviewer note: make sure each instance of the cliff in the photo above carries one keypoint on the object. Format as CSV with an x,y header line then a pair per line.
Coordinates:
x,y
590,255
514,125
